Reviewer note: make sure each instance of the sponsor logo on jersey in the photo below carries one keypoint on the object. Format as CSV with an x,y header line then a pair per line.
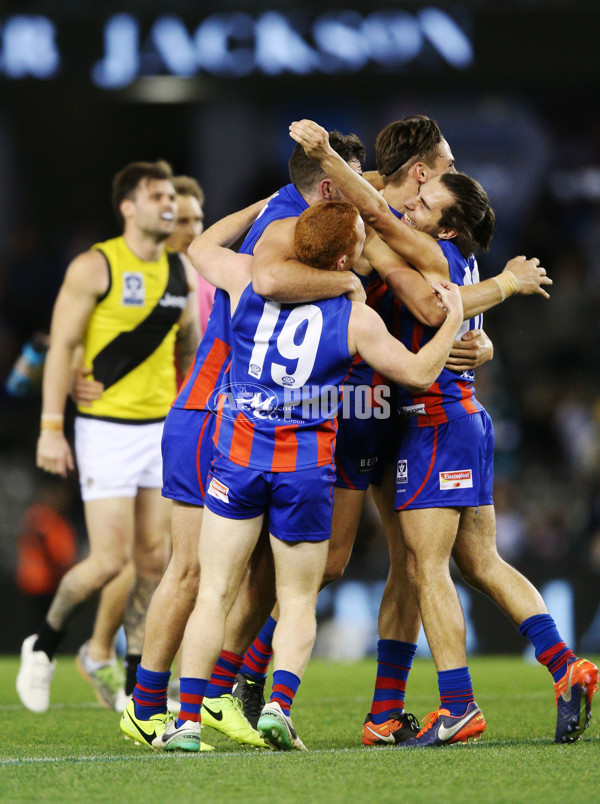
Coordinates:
x,y
168,300
133,292
412,410
460,479
218,490
402,471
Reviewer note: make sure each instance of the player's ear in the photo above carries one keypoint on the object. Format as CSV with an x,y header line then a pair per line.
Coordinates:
x,y
447,233
420,172
126,207
326,189
343,263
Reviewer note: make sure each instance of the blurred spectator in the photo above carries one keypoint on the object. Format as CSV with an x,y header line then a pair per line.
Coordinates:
x,y
46,545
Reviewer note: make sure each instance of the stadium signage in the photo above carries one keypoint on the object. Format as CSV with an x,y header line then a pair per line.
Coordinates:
x,y
235,44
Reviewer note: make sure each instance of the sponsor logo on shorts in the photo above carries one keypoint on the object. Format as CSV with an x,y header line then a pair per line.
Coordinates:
x,y
412,410
218,490
366,463
460,479
133,292
402,471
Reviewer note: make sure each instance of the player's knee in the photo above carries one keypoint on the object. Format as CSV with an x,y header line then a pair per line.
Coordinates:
x,y
336,565
109,566
150,558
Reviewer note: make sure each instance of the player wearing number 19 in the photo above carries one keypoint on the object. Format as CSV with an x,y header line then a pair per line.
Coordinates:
x,y
279,463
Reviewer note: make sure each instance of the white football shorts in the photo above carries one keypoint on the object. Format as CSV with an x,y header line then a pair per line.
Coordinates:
x,y
115,460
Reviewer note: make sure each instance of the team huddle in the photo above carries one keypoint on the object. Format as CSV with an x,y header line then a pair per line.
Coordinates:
x,y
338,357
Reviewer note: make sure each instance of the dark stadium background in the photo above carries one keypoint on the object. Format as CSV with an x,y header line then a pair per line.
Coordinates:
x,y
514,88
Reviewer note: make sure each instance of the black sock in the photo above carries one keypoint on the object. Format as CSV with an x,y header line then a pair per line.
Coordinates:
x,y
48,639
131,664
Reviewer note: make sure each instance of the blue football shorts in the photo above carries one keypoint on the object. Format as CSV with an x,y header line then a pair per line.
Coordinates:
x,y
299,504
187,452
363,447
447,465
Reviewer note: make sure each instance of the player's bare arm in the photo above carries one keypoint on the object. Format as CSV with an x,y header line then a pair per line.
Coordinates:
x,y
85,281
188,331
404,282
368,335
279,276
216,262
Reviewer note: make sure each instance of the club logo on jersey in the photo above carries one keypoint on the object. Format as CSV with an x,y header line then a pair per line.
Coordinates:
x,y
402,471
218,490
133,292
460,479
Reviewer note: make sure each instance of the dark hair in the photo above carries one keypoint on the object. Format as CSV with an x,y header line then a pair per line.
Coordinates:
x,y
324,232
187,185
470,214
305,173
127,180
413,138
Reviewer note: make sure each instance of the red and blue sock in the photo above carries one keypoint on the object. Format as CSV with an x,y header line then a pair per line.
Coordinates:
x,y
150,693
394,661
285,687
550,650
456,690
191,694
258,655
223,675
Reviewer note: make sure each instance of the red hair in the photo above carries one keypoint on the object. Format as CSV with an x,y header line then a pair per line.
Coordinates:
x,y
325,232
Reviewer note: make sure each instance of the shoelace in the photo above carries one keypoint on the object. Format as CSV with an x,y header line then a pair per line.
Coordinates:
x,y
237,704
430,719
411,721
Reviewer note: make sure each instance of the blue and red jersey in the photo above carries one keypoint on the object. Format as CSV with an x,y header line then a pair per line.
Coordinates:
x,y
288,363
212,359
453,393
211,364
379,298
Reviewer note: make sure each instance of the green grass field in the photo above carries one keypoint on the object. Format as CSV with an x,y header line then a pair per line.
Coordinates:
x,y
75,752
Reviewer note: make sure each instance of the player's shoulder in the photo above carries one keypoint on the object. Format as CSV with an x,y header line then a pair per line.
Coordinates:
x,y
90,268
277,231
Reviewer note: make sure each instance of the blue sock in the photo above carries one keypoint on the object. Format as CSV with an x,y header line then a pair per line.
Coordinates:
x,y
456,690
550,649
394,661
150,693
285,687
191,693
258,655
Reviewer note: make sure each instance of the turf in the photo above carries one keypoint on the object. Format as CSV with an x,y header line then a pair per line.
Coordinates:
x,y
75,752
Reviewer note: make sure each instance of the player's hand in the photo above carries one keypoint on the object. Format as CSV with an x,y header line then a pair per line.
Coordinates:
x,y
473,349
311,136
355,292
84,390
530,275
54,453
448,297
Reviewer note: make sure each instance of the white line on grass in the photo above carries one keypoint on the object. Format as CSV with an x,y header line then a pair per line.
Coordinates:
x,y
156,756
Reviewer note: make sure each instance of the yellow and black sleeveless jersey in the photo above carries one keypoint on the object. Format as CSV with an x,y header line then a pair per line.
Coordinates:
x,y
130,338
